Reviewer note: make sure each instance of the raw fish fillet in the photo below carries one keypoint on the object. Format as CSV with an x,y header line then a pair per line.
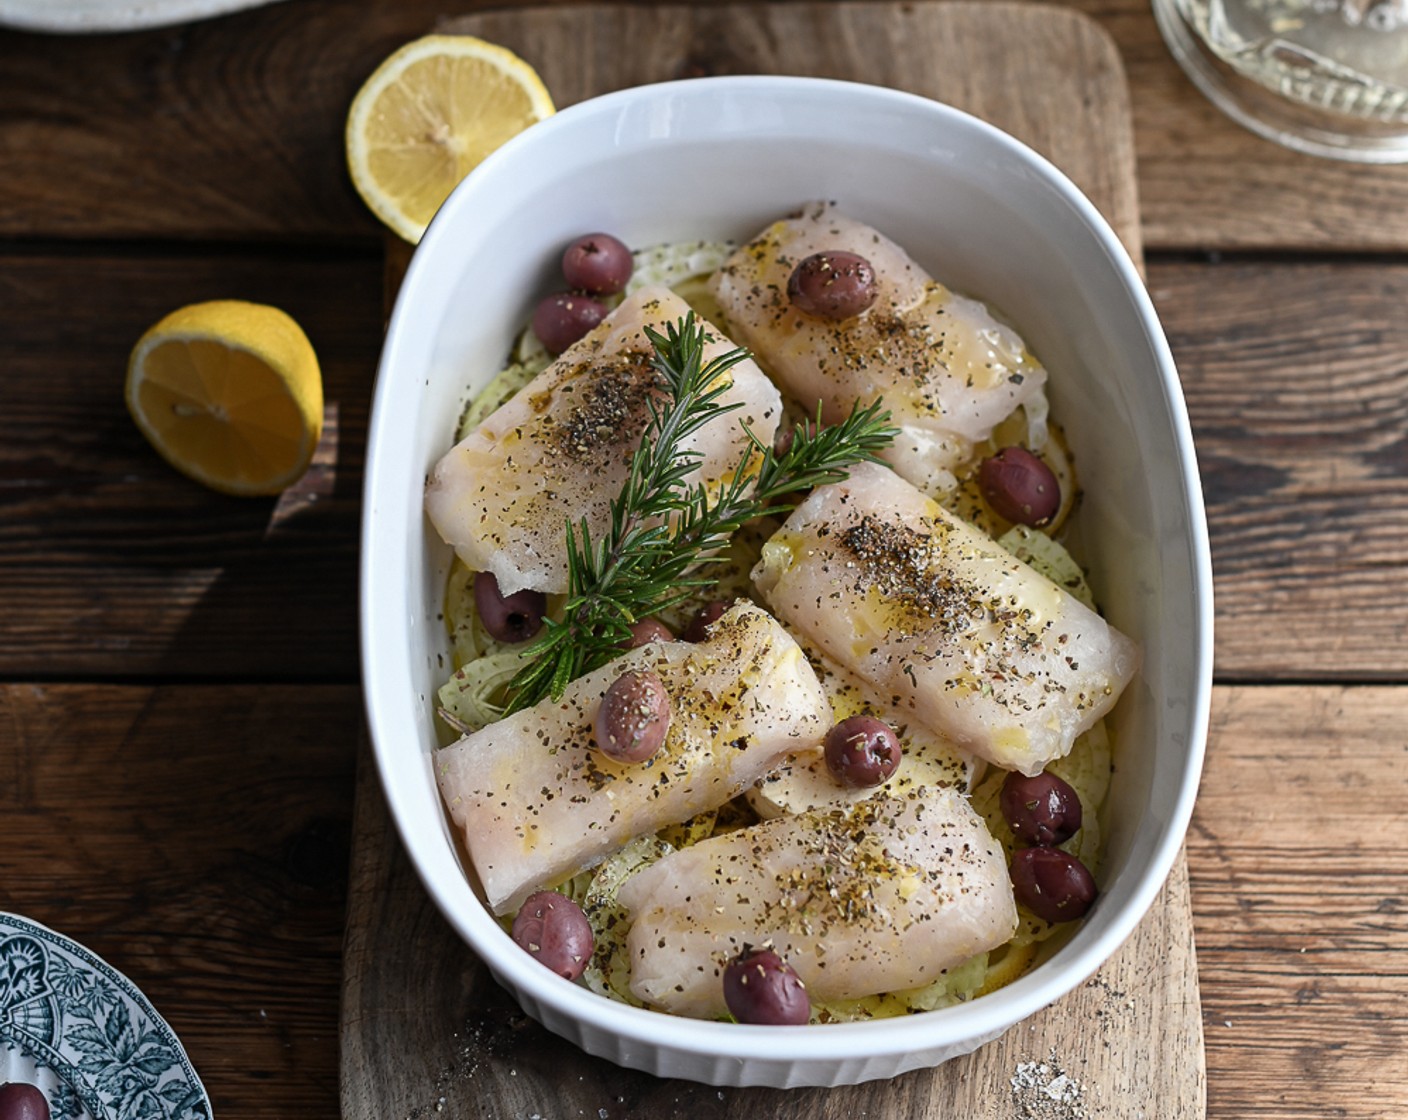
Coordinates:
x,y
562,447
930,761
947,370
973,642
537,803
880,896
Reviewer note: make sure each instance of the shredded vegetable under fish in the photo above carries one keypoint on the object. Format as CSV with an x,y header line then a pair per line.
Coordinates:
x,y
474,696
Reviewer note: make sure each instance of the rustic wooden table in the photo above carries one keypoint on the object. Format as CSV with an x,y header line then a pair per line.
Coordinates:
x,y
180,707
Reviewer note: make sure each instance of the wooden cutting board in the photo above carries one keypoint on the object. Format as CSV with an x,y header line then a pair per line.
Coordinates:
x,y
425,1031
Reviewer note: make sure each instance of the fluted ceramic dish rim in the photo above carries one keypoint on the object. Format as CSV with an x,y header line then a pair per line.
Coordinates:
x,y
725,1053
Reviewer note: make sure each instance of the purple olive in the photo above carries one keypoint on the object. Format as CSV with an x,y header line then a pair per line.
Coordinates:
x,y
649,630
1042,810
19,1101
562,319
862,751
597,263
512,618
833,285
707,615
634,717
760,987
1020,487
1051,884
553,928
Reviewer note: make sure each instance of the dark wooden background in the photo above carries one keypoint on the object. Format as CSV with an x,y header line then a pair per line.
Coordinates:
x,y
179,702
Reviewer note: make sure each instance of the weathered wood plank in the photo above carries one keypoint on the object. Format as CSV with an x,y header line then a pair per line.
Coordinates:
x,y
460,1042
931,49
246,137
1297,866
1204,181
111,563
196,838
1297,388
393,1047
1298,858
193,835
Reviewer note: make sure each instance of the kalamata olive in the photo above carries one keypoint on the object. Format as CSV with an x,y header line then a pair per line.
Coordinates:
x,y
832,285
512,618
1042,810
707,615
633,718
862,751
760,987
1020,487
553,928
1052,884
19,1101
649,630
561,319
597,263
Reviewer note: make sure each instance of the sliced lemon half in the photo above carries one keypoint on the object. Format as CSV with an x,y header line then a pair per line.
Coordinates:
x,y
428,116
230,394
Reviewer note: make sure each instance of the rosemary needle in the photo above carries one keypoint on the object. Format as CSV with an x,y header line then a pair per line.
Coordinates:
x,y
664,531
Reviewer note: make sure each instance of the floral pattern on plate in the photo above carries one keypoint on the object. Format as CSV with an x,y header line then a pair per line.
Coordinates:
x,y
85,1035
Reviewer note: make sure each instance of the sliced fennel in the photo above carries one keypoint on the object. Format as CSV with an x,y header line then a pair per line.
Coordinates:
x,y
690,832
1050,558
957,985
609,973
677,264
502,388
474,696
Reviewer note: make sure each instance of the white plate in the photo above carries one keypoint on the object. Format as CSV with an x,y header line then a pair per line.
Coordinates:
x,y
79,16
85,1035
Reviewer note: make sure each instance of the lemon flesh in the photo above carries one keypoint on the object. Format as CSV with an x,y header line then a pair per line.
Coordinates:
x,y
428,116
230,394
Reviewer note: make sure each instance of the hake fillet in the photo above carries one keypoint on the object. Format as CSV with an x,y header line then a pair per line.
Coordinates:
x,y
537,803
881,896
973,642
948,371
562,446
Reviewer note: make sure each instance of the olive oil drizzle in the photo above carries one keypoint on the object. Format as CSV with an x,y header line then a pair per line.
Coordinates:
x,y
664,532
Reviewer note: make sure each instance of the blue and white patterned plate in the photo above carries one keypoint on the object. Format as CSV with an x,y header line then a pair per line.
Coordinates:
x,y
82,1032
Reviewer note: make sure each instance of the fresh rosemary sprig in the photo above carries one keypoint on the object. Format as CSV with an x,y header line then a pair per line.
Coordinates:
x,y
664,532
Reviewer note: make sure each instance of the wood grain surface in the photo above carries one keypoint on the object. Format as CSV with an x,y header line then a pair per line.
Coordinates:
x,y
248,118
114,566
1298,857
1297,388
1297,935
196,839
196,834
427,1031
394,1044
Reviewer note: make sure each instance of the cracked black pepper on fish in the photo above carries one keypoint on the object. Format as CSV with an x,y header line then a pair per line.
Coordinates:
x,y
883,895
561,448
947,370
977,645
538,802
